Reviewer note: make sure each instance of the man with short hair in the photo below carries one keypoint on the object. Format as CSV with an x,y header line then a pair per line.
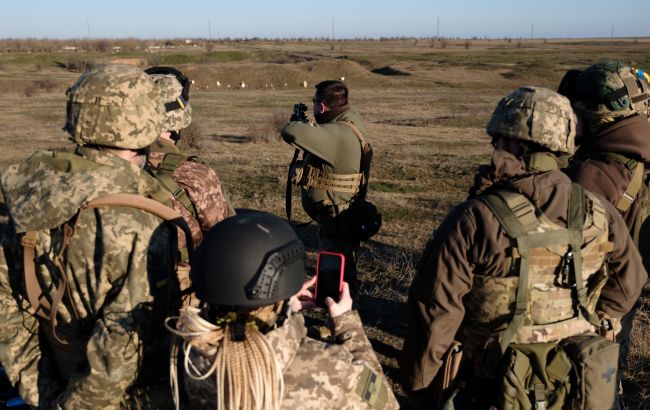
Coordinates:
x,y
529,262
87,277
333,175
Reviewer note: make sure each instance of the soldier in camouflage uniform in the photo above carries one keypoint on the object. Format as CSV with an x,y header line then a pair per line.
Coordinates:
x,y
198,193
611,101
247,345
465,288
102,278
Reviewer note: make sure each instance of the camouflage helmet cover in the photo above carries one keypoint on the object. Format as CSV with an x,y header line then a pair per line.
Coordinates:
x,y
114,106
170,90
610,89
535,114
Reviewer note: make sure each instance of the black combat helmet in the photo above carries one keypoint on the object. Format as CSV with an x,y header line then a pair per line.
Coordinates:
x,y
249,260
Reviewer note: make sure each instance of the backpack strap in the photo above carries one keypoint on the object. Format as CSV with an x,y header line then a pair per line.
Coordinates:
x,y
37,298
632,189
163,173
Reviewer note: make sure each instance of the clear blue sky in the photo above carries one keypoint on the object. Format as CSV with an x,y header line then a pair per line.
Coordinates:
x,y
309,18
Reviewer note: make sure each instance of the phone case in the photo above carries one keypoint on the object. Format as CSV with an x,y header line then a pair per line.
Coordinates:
x,y
341,272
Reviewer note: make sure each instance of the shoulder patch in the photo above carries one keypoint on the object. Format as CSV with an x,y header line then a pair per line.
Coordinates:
x,y
372,389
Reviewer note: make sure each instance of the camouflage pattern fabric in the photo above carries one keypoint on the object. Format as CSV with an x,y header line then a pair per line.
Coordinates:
x,y
114,106
551,309
203,188
118,265
170,90
596,88
535,114
36,176
317,375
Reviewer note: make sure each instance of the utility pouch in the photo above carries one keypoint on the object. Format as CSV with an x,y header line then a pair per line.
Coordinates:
x,y
446,380
595,360
534,376
365,218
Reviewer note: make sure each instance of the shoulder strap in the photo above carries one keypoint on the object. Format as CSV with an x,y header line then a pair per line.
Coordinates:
x,y
632,190
358,134
163,173
37,298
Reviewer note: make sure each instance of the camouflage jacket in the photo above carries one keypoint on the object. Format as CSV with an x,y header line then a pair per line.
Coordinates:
x,y
471,242
331,147
118,265
208,201
318,375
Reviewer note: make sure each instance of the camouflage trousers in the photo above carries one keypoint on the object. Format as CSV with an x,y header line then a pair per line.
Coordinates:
x,y
335,235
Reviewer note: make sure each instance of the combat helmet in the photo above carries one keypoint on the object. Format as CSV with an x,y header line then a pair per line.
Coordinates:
x,y
249,260
174,88
538,115
609,90
114,106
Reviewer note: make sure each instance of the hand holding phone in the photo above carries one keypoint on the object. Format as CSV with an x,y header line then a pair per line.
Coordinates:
x,y
343,305
329,276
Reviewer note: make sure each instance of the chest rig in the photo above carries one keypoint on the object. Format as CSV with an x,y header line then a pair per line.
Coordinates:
x,y
556,273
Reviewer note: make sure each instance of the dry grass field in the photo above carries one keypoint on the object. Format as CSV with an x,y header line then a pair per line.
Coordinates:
x,y
425,102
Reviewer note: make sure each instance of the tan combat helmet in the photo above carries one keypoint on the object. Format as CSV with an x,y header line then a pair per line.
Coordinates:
x,y
174,88
609,90
114,106
535,114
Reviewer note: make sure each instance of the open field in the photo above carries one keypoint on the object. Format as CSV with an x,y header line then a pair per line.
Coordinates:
x,y
425,102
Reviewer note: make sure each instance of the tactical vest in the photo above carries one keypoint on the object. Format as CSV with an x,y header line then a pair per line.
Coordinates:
x,y
556,273
69,350
308,176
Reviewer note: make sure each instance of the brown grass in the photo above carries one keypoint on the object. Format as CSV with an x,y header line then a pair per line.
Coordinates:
x,y
637,383
426,129
268,130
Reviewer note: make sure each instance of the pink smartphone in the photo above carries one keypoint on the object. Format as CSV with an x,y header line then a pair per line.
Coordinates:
x,y
329,276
